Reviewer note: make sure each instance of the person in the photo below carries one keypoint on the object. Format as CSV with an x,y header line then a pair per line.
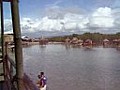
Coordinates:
x,y
42,81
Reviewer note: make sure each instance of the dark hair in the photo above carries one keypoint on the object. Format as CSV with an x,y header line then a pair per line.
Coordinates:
x,y
42,73
39,76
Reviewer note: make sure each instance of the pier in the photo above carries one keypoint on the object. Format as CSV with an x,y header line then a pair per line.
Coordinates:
x,y
12,76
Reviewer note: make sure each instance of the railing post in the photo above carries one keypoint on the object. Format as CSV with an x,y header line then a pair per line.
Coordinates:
x,y
18,46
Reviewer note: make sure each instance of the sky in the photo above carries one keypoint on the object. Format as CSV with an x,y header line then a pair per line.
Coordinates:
x,y
67,16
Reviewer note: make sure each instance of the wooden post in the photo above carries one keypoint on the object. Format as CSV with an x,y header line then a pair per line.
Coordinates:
x,y
2,26
2,36
18,45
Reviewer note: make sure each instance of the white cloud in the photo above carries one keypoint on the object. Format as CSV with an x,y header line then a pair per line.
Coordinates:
x,y
8,26
102,11
75,21
69,22
50,24
70,26
83,23
102,18
29,25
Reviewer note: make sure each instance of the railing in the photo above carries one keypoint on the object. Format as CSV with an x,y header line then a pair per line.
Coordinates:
x,y
9,73
10,76
9,67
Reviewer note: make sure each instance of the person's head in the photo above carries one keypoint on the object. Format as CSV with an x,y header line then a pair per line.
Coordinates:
x,y
39,76
41,73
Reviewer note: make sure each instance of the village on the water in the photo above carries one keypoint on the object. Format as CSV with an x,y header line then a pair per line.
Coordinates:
x,y
87,40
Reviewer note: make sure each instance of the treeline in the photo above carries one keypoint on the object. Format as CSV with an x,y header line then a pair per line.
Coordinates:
x,y
95,37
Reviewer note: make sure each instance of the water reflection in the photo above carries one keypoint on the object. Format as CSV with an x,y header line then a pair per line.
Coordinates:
x,y
74,68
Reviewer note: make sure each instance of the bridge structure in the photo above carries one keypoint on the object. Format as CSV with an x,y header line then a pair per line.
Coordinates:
x,y
12,76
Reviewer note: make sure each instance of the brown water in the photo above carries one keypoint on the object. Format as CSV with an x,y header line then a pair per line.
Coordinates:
x,y
74,68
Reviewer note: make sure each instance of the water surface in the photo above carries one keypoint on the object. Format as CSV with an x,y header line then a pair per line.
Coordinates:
x,y
74,68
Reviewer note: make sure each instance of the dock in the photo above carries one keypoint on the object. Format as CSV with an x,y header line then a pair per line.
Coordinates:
x,y
12,75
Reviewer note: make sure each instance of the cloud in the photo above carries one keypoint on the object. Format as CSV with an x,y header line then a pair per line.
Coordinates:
x,y
54,12
8,26
103,19
50,24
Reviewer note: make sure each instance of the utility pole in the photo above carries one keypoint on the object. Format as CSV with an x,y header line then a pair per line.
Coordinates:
x,y
18,45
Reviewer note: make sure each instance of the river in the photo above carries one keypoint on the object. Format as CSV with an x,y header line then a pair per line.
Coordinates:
x,y
74,68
